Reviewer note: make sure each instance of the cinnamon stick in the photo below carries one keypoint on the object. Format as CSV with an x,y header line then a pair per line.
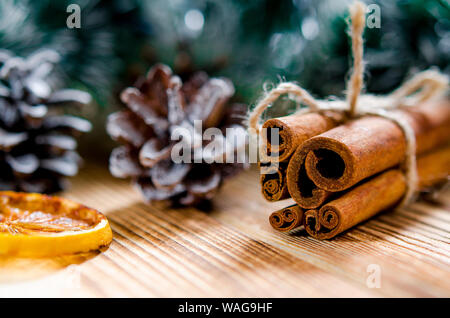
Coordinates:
x,y
295,129
371,197
287,219
274,183
345,155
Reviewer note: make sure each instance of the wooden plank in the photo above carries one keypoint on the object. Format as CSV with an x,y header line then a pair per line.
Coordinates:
x,y
233,251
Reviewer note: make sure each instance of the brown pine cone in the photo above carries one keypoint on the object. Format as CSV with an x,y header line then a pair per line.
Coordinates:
x,y
160,105
37,145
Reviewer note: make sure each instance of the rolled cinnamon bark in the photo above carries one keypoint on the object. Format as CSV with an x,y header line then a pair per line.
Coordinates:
x,y
373,196
295,129
345,155
304,192
274,184
287,219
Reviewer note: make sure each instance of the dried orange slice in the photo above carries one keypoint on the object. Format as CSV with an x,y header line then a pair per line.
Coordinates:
x,y
36,225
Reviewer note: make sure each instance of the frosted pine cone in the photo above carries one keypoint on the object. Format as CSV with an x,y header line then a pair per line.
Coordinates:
x,y
37,145
160,105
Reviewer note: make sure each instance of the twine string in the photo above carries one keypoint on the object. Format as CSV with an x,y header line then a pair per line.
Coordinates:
x,y
354,86
422,87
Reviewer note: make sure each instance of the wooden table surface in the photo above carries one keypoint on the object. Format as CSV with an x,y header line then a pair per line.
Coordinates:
x,y
233,252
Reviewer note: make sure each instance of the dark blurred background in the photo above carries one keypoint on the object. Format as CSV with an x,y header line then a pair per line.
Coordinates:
x,y
253,42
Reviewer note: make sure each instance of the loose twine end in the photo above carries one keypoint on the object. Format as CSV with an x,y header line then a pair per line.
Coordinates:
x,y
354,86
421,88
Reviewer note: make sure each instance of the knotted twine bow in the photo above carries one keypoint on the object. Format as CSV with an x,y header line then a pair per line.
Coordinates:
x,y
423,87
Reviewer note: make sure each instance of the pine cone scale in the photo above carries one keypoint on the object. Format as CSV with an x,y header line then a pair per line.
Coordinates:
x,y
153,151
142,108
123,164
70,124
166,174
24,164
9,140
60,165
208,104
126,127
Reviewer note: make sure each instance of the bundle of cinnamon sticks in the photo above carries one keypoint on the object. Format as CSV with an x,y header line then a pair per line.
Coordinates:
x,y
341,173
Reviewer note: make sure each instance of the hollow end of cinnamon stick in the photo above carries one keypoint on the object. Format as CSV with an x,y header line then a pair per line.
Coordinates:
x,y
282,147
304,192
311,222
274,184
329,164
322,224
330,219
287,219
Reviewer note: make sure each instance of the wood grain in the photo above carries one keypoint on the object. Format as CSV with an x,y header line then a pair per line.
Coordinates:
x,y
233,251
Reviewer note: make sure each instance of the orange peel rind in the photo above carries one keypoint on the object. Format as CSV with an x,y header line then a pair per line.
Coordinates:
x,y
37,225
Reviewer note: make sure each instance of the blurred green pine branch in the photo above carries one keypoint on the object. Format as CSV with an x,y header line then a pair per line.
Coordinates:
x,y
251,41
